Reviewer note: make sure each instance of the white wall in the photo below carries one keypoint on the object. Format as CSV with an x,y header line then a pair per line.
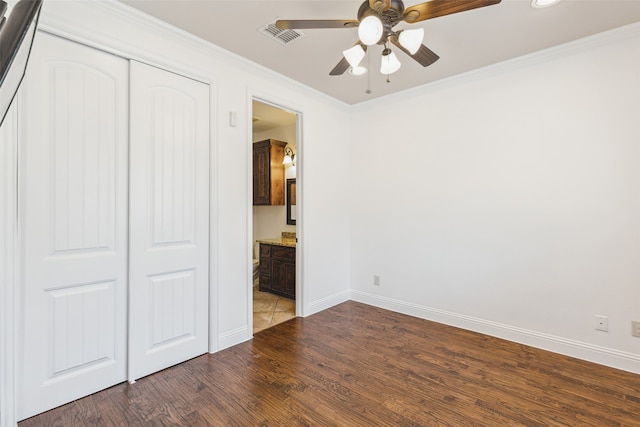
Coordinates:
x,y
286,133
506,200
235,82
510,205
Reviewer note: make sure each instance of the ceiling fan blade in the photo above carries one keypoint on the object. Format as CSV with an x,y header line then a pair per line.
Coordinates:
x,y
377,4
339,69
436,8
424,56
301,24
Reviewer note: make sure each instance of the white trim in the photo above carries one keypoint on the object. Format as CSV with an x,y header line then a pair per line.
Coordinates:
x,y
249,204
76,30
8,273
214,250
301,276
605,356
234,337
490,71
56,20
328,302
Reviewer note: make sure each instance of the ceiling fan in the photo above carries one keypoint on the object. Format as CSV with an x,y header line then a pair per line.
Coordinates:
x,y
376,19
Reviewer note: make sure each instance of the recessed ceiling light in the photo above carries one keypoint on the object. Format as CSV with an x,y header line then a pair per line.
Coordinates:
x,y
543,3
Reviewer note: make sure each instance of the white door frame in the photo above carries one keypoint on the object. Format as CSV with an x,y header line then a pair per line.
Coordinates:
x,y
301,297
8,272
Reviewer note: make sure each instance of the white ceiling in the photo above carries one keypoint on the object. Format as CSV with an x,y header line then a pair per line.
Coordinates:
x,y
464,41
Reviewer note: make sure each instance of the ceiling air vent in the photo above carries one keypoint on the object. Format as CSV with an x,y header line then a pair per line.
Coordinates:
x,y
281,36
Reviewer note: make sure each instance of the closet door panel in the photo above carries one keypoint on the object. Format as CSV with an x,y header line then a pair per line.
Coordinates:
x,y
73,212
169,214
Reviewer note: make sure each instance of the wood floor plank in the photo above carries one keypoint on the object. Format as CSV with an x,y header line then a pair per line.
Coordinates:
x,y
357,365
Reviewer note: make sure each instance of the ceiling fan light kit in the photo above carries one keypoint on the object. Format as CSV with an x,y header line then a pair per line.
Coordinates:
x,y
376,19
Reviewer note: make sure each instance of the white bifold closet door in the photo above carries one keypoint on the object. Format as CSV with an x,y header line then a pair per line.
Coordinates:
x,y
169,220
114,222
73,222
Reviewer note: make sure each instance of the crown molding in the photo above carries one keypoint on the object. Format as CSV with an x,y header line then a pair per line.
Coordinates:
x,y
156,42
616,35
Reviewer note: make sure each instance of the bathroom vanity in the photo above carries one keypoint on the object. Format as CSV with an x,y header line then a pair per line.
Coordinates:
x,y
277,271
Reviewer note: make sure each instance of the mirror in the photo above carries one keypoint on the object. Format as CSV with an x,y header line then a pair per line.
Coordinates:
x,y
291,201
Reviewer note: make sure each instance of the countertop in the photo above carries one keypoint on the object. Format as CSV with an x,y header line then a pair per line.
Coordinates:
x,y
279,241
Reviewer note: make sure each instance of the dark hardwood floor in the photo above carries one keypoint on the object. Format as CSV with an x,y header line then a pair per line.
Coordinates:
x,y
356,365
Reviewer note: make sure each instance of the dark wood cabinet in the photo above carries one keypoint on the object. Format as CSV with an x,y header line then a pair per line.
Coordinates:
x,y
268,172
278,270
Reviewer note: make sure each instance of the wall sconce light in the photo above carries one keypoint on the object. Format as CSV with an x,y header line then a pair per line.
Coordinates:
x,y
288,157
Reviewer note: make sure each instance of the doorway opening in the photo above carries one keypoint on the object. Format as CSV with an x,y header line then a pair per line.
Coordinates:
x,y
274,214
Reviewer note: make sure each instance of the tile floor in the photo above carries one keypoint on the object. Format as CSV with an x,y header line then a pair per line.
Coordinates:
x,y
270,309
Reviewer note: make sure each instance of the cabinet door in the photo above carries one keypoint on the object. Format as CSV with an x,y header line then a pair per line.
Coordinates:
x,y
290,280
264,278
261,174
169,214
283,279
283,267
278,275
268,172
73,213
276,173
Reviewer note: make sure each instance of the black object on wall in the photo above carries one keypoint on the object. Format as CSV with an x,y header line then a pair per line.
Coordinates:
x,y
16,38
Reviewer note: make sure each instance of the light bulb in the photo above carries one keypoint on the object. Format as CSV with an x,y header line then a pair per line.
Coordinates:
x,y
411,39
390,63
370,30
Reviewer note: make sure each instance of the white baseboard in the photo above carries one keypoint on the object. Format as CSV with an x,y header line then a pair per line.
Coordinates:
x,y
604,356
327,302
233,337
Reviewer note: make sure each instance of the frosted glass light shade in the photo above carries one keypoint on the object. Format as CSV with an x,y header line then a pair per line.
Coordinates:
x,y
543,3
411,39
390,63
287,160
354,55
358,71
370,30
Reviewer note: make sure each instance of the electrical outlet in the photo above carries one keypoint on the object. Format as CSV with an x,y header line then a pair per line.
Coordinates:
x,y
635,329
376,280
602,323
